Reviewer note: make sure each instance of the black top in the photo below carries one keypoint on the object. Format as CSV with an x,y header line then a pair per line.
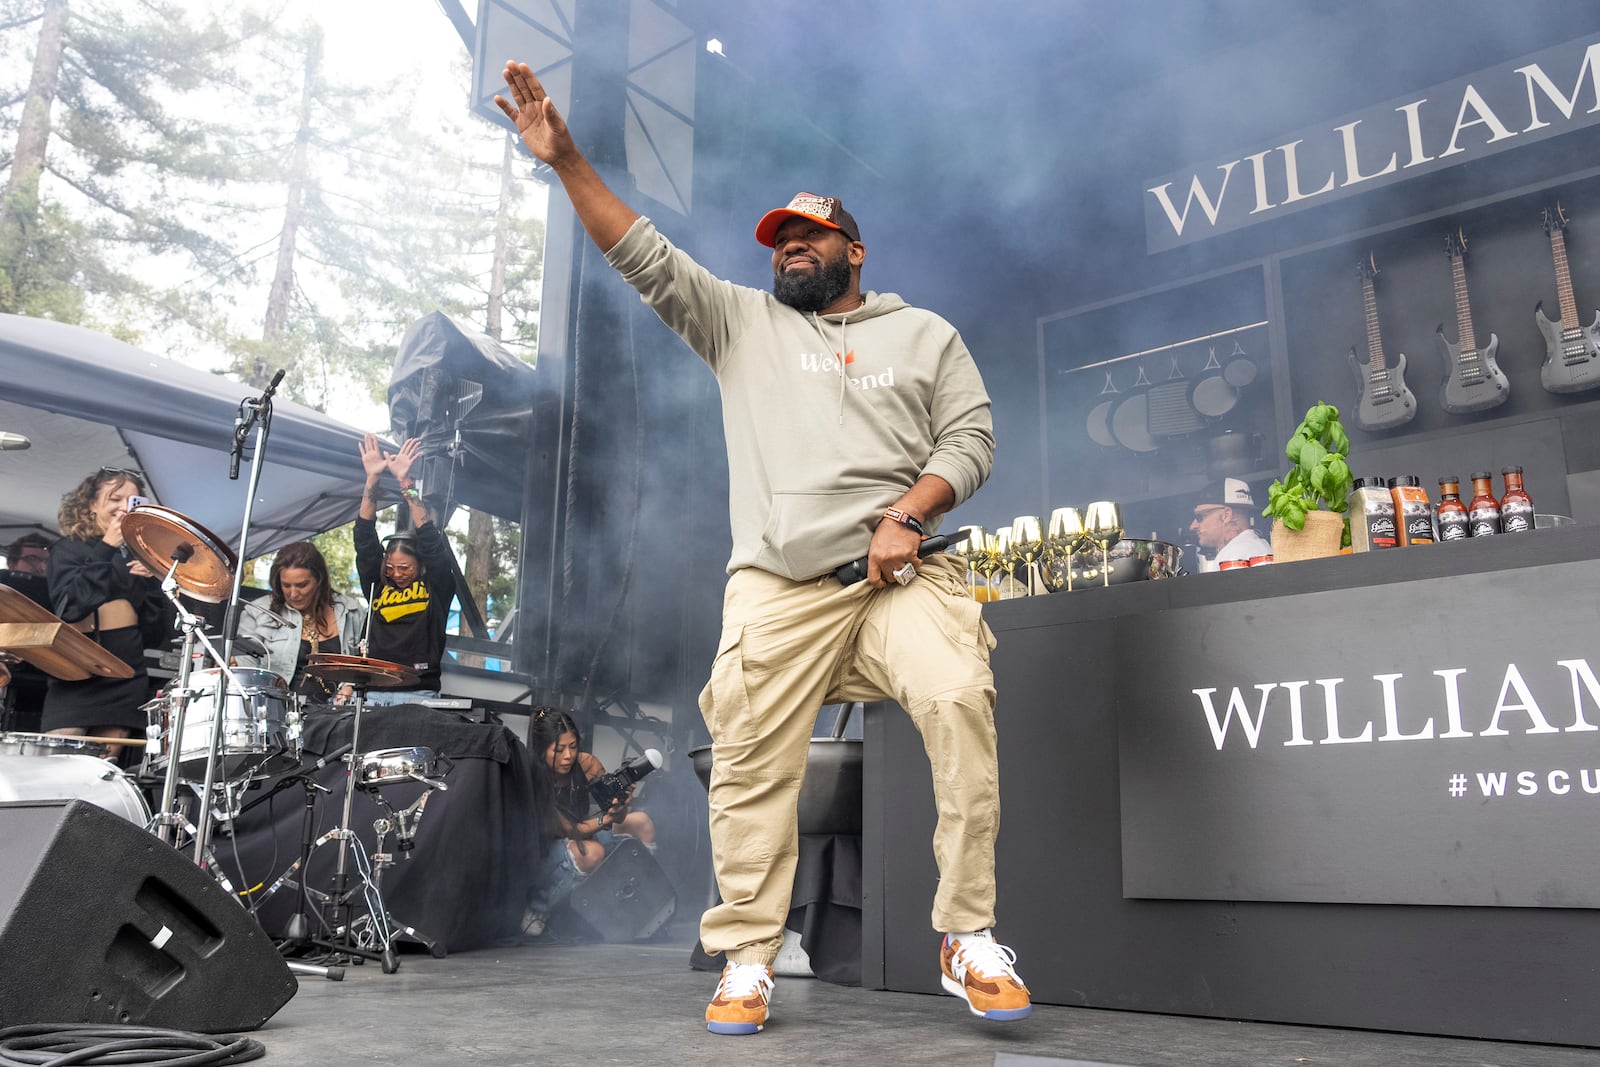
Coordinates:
x,y
311,687
408,625
84,575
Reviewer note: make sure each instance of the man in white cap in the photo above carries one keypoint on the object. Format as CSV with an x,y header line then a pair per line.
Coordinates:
x,y
1222,523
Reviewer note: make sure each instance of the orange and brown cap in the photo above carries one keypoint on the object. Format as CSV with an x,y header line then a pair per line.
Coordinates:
x,y
824,209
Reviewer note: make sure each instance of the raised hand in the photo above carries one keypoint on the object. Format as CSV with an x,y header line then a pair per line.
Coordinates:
x,y
373,461
543,129
400,463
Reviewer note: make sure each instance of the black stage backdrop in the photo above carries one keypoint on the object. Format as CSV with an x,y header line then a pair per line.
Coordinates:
x,y
465,882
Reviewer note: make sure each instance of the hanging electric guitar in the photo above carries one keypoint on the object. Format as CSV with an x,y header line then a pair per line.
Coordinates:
x,y
1473,380
1384,402
1571,351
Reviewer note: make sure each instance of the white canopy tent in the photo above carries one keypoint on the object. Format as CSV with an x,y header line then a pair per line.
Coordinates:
x,y
85,400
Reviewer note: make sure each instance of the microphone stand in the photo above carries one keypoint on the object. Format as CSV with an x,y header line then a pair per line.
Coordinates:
x,y
256,411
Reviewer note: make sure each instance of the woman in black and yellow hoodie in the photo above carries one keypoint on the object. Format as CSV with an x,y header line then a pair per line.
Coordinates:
x,y
409,577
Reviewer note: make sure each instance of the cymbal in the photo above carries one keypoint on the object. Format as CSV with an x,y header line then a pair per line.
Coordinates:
x,y
159,537
359,671
32,633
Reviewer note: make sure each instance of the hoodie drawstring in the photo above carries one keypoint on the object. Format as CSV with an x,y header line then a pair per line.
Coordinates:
x,y
844,350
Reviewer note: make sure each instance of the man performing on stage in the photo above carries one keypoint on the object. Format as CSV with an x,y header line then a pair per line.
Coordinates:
x,y
822,471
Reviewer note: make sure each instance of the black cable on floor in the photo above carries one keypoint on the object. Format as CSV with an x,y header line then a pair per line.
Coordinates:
x,y
64,1044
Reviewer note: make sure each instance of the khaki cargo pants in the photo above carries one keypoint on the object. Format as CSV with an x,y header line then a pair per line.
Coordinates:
x,y
786,649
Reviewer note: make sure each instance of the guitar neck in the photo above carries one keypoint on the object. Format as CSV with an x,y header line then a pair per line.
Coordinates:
x,y
1376,364
1468,340
1569,303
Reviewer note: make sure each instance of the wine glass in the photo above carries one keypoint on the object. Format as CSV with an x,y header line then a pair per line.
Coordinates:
x,y
1102,524
1065,533
987,562
971,552
1027,541
1002,551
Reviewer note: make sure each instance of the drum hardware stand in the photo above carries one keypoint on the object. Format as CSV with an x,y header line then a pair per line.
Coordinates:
x,y
403,824
298,936
168,818
337,916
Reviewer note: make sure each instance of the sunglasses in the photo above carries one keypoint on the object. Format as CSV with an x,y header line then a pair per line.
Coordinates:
x,y
125,472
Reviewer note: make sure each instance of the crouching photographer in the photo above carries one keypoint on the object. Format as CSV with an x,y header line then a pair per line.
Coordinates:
x,y
578,830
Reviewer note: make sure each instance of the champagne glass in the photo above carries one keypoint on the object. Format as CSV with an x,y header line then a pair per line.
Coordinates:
x,y
1005,562
971,552
1027,541
987,561
1064,535
1103,524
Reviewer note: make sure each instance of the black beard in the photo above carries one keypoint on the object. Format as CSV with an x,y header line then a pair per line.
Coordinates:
x,y
815,290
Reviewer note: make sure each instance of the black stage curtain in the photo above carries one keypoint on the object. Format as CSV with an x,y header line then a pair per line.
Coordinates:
x,y
825,909
465,882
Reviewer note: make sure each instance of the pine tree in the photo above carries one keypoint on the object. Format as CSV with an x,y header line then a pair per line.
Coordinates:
x,y
99,148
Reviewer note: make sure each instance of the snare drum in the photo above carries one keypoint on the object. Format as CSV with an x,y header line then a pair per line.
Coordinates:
x,y
259,720
392,766
73,777
26,744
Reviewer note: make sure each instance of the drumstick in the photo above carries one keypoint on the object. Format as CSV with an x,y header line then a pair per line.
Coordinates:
x,y
139,741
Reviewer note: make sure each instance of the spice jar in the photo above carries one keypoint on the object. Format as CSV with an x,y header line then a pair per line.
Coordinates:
x,y
1372,523
1413,513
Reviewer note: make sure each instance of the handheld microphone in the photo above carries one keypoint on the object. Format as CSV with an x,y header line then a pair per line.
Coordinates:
x,y
14,442
856,570
272,386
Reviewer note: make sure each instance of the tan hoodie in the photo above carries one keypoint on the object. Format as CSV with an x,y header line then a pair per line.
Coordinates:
x,y
829,419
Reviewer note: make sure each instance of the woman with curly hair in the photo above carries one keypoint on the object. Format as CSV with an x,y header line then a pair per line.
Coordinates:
x,y
112,598
304,616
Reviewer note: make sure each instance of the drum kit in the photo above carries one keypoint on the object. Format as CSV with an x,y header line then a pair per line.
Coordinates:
x,y
219,730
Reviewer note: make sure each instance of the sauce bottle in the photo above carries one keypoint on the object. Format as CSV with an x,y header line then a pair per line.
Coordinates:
x,y
1516,507
1451,514
1372,522
1483,514
1413,514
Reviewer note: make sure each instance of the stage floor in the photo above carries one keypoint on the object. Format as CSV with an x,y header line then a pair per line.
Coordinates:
x,y
641,1004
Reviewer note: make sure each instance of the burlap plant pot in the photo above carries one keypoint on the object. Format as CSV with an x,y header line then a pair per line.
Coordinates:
x,y
1323,533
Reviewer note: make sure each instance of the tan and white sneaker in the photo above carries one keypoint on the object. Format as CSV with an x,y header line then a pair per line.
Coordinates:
x,y
983,973
743,1000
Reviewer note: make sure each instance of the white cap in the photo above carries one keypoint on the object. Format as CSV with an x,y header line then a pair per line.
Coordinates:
x,y
1234,492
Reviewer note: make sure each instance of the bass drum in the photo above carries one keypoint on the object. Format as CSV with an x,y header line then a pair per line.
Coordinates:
x,y
73,777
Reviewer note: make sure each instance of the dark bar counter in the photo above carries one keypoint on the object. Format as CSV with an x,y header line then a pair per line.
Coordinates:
x,y
1361,791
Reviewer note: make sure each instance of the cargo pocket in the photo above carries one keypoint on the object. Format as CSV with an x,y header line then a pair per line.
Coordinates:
x,y
725,702
963,616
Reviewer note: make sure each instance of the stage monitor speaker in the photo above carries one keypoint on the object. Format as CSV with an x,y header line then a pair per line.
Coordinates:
x,y
102,922
628,897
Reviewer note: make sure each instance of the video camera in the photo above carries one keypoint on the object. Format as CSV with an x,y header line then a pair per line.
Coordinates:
x,y
610,789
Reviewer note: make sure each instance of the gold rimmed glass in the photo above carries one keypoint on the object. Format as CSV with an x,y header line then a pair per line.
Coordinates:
x,y
1062,539
1102,523
1027,542
971,553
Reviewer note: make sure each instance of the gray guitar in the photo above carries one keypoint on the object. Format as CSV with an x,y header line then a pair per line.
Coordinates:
x,y
1473,380
1385,401
1571,350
